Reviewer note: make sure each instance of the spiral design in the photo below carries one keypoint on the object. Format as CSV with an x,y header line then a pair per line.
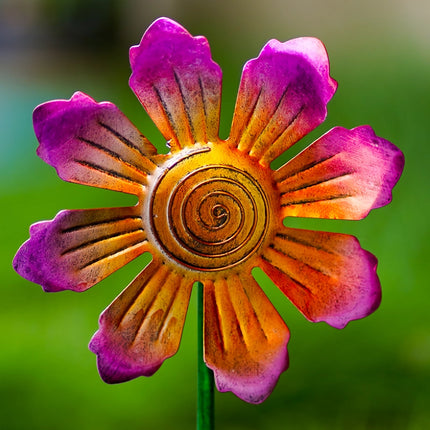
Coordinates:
x,y
208,218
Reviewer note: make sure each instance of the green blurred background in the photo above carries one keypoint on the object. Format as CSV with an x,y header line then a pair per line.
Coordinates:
x,y
374,374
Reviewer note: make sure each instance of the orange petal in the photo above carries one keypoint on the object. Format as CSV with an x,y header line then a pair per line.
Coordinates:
x,y
245,338
143,326
344,175
327,276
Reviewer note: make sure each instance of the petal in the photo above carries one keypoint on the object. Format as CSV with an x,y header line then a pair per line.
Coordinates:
x,y
282,96
93,143
143,325
177,83
245,338
81,247
327,276
344,174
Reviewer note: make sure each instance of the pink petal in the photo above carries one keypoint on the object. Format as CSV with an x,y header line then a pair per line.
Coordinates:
x,y
327,276
81,247
282,96
177,83
245,338
344,174
93,143
143,325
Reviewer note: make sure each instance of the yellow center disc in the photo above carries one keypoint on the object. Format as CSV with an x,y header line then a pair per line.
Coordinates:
x,y
205,215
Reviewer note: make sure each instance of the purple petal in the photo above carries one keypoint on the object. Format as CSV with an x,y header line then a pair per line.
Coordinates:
x,y
282,96
177,83
81,247
93,143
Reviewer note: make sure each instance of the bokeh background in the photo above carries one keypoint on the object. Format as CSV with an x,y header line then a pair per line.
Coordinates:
x,y
374,374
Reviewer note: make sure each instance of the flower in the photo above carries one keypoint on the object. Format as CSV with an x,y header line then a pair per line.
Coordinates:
x,y
211,210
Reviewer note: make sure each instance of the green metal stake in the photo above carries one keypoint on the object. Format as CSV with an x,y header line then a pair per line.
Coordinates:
x,y
205,379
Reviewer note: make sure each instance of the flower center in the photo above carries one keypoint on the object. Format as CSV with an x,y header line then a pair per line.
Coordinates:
x,y
207,215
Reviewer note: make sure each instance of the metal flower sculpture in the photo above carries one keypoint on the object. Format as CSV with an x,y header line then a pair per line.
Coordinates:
x,y
211,210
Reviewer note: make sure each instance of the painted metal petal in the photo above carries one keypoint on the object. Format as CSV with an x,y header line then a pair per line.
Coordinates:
x,y
177,83
81,247
282,96
327,276
344,175
93,143
143,325
245,338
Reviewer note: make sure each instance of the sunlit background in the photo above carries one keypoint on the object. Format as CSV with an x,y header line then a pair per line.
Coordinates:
x,y
374,374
